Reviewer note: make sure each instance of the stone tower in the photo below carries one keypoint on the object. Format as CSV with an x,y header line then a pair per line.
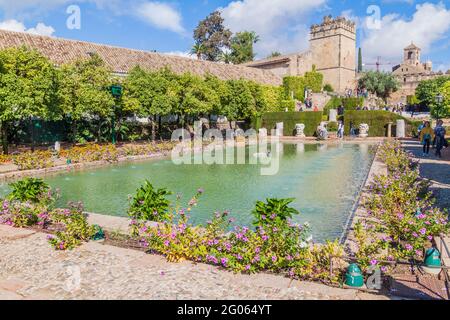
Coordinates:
x,y
333,47
412,55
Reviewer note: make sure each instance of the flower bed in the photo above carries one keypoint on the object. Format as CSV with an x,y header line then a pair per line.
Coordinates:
x,y
4,159
30,204
34,160
273,244
91,153
404,221
84,154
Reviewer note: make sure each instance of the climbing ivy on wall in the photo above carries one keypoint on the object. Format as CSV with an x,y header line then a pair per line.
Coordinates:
x,y
312,80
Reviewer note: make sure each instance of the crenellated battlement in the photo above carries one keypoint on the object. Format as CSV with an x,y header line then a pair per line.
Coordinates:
x,y
330,25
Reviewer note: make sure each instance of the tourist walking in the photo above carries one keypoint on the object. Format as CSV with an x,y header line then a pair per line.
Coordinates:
x,y
352,130
426,136
439,133
340,132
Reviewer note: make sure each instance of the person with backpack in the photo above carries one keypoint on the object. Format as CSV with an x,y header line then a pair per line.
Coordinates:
x,y
440,132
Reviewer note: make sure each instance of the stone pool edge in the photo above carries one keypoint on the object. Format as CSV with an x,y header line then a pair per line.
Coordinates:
x,y
360,213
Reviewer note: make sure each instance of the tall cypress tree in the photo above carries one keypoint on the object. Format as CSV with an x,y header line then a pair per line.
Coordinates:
x,y
360,63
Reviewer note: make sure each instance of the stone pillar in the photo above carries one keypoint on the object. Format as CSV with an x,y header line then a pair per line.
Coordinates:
x,y
57,146
389,130
280,129
401,129
333,115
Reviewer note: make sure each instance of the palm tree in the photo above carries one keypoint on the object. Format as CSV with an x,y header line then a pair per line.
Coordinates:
x,y
226,57
198,49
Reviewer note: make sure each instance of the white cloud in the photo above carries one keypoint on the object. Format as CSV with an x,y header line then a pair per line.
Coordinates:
x,y
14,25
277,22
181,54
429,24
161,16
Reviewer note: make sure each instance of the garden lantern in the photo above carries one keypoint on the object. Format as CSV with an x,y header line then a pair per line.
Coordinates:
x,y
354,277
116,91
432,261
439,99
99,235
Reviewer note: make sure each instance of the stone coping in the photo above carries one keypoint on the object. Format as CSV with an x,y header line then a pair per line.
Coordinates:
x,y
377,168
12,175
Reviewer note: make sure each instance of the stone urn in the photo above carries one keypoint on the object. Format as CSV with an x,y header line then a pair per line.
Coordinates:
x,y
363,130
299,130
263,132
222,123
322,133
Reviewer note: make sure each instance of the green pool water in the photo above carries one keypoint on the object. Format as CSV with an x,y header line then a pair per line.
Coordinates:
x,y
324,179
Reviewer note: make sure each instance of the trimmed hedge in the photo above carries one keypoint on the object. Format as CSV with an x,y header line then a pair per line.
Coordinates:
x,y
348,103
311,120
378,121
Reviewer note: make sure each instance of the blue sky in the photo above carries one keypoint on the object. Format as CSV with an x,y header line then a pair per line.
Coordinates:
x,y
384,26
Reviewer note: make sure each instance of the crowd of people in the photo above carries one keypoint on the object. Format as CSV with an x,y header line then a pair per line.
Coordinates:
x,y
432,137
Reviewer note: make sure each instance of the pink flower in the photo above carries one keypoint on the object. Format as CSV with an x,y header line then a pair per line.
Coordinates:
x,y
224,261
374,262
423,231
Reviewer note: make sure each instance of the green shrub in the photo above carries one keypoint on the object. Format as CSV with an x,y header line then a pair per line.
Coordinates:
x,y
149,204
312,80
75,227
273,209
378,121
328,88
332,126
287,104
348,103
310,119
28,189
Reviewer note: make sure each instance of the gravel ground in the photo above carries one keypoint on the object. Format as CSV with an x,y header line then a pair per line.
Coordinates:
x,y
31,269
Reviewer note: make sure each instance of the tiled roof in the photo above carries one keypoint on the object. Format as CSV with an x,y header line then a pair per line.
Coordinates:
x,y
271,60
121,60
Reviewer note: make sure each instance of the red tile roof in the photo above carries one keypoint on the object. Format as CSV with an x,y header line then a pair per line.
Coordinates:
x,y
122,60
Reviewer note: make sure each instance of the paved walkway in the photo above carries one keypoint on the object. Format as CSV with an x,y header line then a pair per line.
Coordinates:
x,y
435,169
438,172
31,269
